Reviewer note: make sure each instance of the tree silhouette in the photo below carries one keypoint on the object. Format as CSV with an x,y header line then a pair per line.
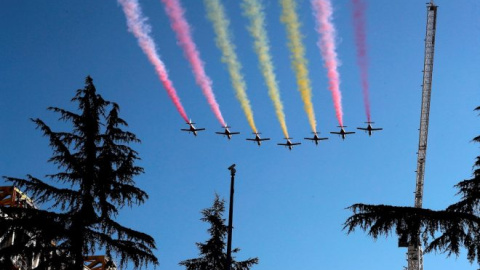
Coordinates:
x,y
212,253
445,230
95,180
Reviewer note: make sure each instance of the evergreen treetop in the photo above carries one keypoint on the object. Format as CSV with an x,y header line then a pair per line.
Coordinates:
x,y
96,171
213,252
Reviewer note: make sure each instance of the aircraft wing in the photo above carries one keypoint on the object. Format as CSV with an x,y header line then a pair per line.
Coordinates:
x,y
362,128
333,132
266,139
350,132
282,144
234,133
311,139
296,143
251,140
199,129
377,128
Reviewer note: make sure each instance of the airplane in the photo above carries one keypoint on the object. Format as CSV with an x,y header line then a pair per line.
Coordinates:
x,y
227,132
258,139
192,128
289,144
342,132
315,138
369,128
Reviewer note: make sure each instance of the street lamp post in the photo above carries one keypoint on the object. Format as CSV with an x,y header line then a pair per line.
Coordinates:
x,y
230,217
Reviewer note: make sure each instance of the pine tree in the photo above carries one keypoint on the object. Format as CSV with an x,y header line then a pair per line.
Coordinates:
x,y
95,180
449,230
213,253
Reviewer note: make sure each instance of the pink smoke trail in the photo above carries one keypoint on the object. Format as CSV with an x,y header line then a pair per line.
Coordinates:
x,y
182,29
141,30
359,7
323,16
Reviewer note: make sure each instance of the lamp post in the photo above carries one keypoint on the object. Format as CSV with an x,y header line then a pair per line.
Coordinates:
x,y
230,217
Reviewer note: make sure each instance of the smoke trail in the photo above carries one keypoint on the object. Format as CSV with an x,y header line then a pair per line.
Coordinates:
x,y
216,13
359,7
323,15
299,63
141,30
254,10
182,30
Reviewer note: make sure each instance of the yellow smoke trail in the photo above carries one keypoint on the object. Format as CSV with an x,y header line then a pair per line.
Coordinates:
x,y
299,63
220,22
254,10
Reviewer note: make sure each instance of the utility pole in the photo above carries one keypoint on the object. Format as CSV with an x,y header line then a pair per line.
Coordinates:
x,y
415,254
230,217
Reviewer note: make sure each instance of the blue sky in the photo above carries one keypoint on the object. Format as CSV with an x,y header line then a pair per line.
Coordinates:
x,y
289,205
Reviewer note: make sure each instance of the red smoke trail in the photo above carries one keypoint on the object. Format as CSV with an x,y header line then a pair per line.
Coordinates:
x,y
359,7
323,15
141,30
182,29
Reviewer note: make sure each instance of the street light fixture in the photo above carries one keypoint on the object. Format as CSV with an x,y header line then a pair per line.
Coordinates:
x,y
230,217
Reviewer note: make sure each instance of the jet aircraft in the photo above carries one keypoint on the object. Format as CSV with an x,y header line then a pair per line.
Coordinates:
x,y
258,139
192,128
227,132
289,144
342,132
315,138
369,128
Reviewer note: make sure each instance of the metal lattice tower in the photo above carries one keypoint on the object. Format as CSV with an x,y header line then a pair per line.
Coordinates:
x,y
415,254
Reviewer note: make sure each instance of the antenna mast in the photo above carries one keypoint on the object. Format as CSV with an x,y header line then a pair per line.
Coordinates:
x,y
415,254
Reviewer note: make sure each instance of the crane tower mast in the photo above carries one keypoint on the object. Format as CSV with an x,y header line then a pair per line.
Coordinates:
x,y
415,255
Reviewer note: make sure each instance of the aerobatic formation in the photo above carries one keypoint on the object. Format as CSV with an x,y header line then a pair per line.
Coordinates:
x,y
254,11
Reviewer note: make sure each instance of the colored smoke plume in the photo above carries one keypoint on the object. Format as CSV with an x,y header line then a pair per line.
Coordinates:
x,y
254,11
216,13
323,15
181,28
141,30
359,20
299,62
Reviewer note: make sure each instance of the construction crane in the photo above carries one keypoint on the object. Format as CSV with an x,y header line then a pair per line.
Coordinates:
x,y
414,253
